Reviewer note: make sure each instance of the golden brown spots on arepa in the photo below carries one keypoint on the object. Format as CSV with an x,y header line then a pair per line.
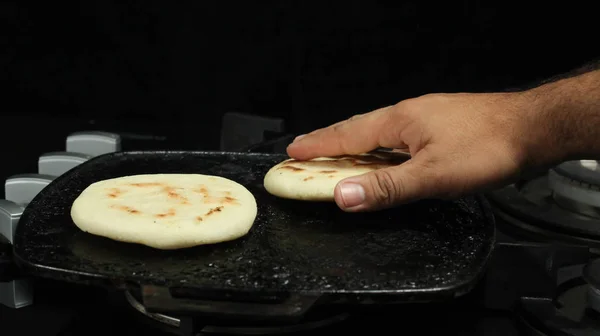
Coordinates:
x,y
208,199
221,200
201,190
170,213
172,194
146,184
308,178
126,209
114,192
213,210
292,168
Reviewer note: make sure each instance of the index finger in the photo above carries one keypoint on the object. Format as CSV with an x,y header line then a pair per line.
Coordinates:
x,y
353,136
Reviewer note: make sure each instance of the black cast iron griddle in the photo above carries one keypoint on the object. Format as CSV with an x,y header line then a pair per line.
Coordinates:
x,y
295,253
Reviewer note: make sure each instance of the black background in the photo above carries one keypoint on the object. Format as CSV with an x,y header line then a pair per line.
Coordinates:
x,y
173,68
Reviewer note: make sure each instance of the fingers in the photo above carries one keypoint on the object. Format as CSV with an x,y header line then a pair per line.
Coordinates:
x,y
384,188
337,124
356,135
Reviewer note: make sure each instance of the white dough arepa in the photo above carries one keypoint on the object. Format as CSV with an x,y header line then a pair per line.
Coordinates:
x,y
166,211
315,180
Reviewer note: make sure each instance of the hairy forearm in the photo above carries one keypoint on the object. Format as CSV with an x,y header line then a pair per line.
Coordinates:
x,y
568,115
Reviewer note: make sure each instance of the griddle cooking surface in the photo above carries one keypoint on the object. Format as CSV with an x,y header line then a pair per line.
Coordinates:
x,y
427,247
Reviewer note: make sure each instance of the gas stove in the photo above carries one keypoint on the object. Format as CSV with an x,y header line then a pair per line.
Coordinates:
x,y
543,277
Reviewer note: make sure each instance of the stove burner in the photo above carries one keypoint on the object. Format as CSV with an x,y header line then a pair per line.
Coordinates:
x,y
529,209
575,186
174,323
566,311
594,298
591,274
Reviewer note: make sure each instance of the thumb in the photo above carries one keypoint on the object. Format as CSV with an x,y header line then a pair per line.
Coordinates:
x,y
384,188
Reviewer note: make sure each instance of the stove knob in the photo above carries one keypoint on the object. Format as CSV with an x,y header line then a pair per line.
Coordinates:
x,y
58,163
22,188
19,191
10,213
16,293
19,292
93,143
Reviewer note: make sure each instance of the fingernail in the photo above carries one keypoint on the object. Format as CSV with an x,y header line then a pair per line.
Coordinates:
x,y
299,137
352,194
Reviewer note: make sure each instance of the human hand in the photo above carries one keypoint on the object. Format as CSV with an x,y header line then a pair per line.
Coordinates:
x,y
459,144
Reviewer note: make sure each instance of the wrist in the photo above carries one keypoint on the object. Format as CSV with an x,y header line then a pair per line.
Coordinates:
x,y
568,117
532,130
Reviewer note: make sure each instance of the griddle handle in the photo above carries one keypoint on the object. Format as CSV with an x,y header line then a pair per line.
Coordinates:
x,y
159,300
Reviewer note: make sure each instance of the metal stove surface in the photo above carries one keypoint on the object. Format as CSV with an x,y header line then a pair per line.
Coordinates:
x,y
560,205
